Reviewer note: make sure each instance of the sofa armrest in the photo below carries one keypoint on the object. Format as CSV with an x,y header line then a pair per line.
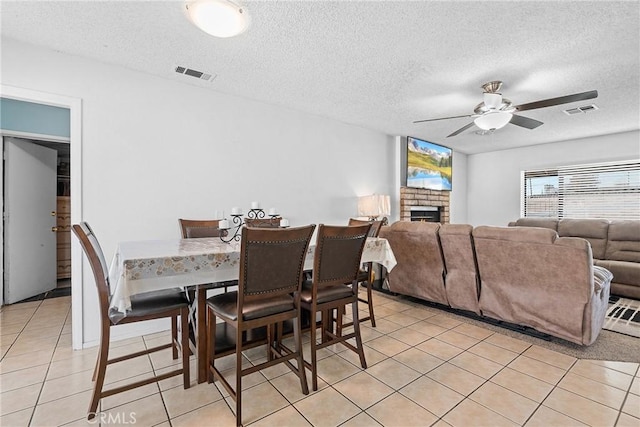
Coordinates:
x,y
601,277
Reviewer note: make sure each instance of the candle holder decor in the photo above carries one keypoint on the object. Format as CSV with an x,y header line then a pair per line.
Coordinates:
x,y
238,220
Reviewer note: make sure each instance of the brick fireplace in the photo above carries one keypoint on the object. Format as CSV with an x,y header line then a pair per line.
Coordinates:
x,y
411,199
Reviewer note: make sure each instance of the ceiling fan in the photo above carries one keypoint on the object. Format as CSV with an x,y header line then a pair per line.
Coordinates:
x,y
496,112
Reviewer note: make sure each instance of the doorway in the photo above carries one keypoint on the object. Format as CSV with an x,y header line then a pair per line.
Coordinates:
x,y
36,219
55,276
74,106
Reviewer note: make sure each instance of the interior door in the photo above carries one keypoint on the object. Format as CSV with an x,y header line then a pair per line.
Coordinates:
x,y
30,181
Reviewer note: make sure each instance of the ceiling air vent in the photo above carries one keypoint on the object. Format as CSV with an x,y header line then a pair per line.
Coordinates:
x,y
588,108
579,110
195,73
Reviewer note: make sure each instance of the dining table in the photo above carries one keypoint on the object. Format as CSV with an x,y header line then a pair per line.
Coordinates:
x,y
152,265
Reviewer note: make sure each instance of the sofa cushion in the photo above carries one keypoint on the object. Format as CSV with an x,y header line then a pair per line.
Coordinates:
x,y
593,230
550,223
420,269
461,280
624,241
623,271
530,235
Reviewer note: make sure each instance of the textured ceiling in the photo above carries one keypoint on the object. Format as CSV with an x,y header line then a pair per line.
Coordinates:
x,y
379,65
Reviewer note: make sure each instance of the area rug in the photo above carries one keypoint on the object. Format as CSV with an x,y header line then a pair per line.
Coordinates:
x,y
623,316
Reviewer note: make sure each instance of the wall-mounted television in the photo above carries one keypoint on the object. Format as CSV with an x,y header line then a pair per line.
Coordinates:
x,y
428,165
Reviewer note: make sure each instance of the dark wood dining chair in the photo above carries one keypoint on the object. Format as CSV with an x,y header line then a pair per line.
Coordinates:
x,y
271,266
197,228
170,303
365,277
333,286
263,222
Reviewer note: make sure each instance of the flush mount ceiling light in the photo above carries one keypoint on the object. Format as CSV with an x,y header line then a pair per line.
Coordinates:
x,y
220,18
492,120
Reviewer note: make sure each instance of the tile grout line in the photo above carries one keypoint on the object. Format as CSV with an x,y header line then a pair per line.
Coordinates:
x,y
539,404
20,332
624,401
35,406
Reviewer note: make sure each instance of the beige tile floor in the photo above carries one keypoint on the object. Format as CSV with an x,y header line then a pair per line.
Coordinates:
x,y
425,368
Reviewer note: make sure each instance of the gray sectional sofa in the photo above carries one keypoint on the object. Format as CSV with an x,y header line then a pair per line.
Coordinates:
x,y
615,245
526,276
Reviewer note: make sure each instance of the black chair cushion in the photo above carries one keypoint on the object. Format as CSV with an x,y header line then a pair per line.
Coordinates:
x,y
149,303
226,305
214,285
329,293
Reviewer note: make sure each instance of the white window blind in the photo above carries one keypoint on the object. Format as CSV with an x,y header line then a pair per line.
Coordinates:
x,y
540,193
601,190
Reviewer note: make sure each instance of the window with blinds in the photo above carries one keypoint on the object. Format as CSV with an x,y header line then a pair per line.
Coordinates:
x,y
600,190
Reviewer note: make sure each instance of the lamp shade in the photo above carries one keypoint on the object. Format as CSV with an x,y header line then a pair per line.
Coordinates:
x,y
493,120
220,18
374,205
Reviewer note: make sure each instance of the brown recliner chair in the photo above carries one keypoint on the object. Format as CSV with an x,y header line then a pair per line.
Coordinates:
x,y
420,269
461,281
532,277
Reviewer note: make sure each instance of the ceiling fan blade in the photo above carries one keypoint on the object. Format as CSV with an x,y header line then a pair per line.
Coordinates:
x,y
443,118
557,101
462,129
525,122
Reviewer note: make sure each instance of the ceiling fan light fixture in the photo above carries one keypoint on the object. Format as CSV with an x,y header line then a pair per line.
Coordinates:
x,y
493,100
493,120
495,112
219,18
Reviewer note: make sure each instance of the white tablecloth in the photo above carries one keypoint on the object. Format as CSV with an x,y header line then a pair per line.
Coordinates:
x,y
149,265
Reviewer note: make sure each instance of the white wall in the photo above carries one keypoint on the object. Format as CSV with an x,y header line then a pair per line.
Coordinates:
x,y
458,196
493,179
155,150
